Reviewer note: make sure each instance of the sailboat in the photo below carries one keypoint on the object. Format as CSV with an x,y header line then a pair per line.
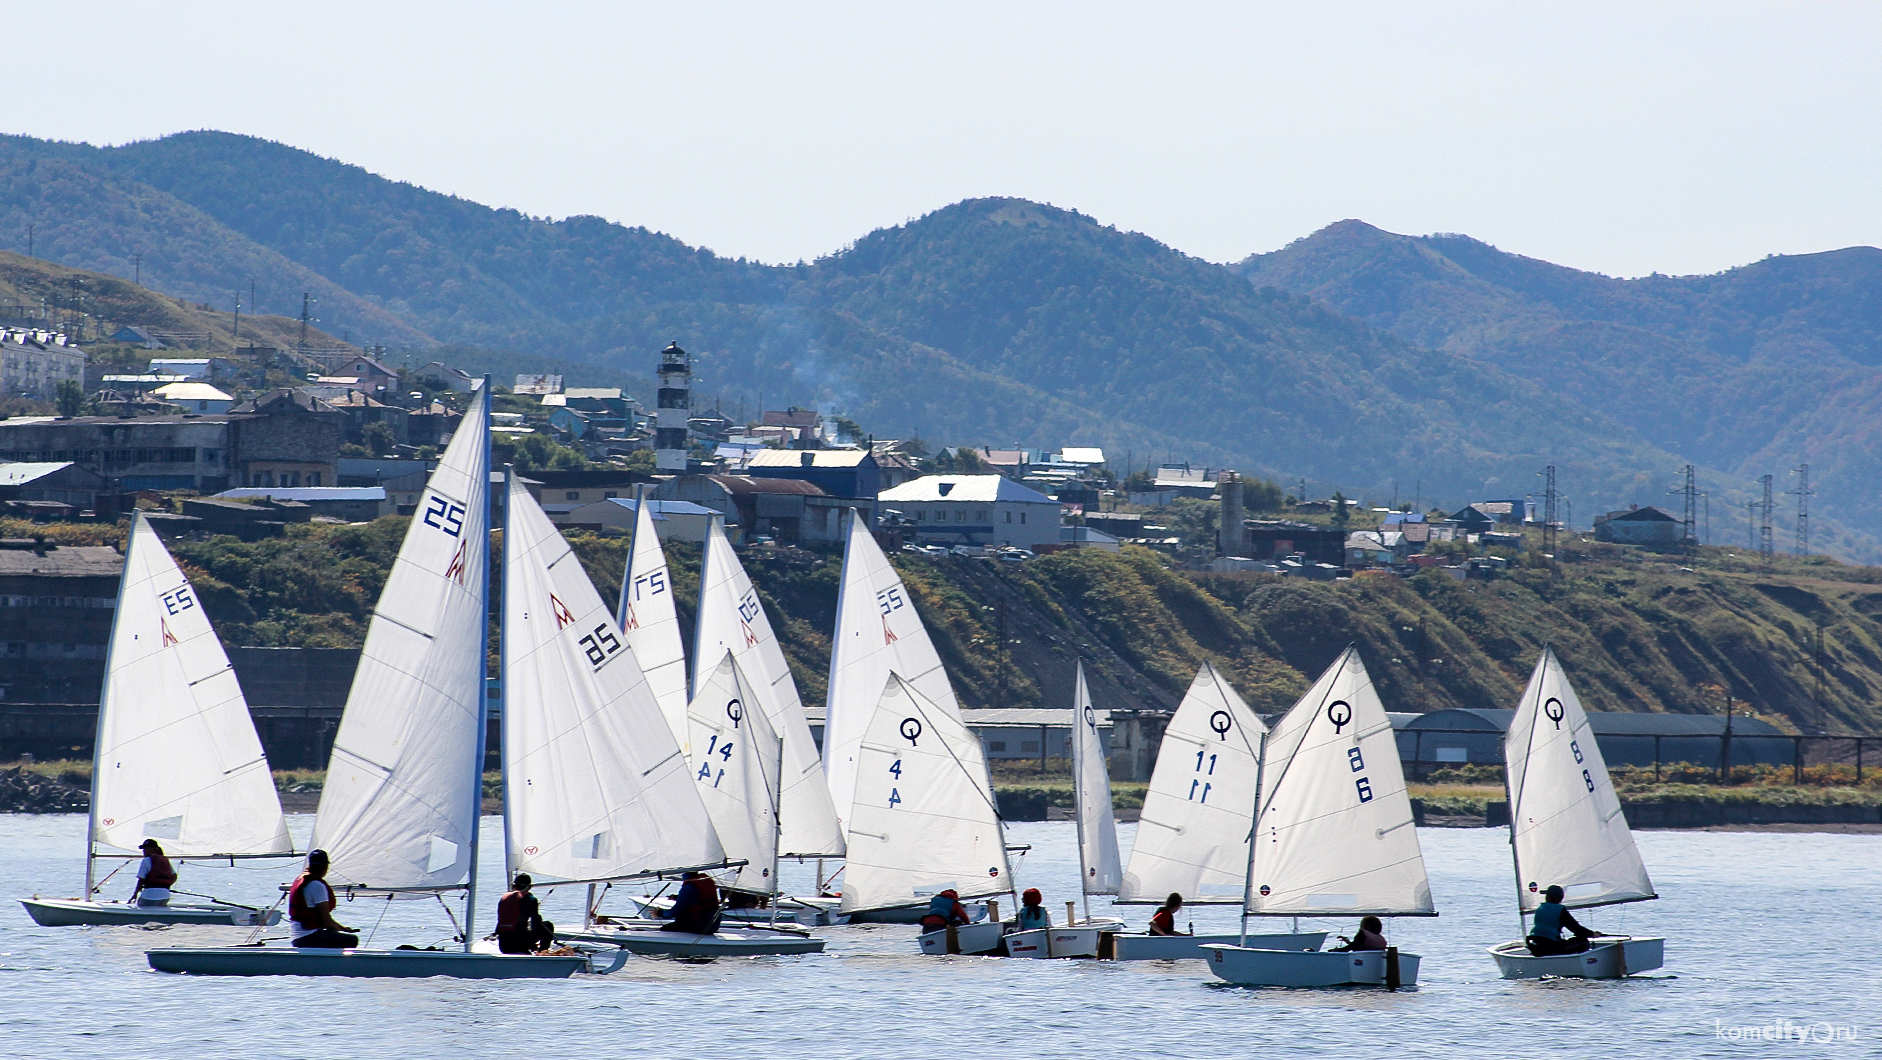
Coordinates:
x,y
1334,836
1567,829
1192,835
400,810
650,625
1100,869
176,758
923,819
596,789
731,619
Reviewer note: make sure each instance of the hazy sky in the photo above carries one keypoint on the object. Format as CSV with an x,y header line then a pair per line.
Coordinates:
x,y
1626,137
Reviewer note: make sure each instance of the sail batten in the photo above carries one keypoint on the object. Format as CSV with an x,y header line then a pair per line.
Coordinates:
x,y
1099,865
1567,824
1200,803
596,787
877,631
1333,835
922,821
177,757
398,807
732,619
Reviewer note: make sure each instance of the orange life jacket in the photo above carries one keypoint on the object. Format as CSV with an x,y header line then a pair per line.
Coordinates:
x,y
299,910
162,874
510,912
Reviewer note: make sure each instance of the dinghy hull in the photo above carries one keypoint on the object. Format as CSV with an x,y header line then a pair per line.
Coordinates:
x,y
1029,944
1136,946
1077,941
658,943
909,914
980,939
1246,966
1607,959
362,964
73,912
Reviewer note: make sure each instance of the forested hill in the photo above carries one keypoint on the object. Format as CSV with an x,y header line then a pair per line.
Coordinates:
x,y
1748,372
1005,322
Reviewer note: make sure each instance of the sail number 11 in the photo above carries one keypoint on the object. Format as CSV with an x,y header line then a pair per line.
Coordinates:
x,y
1198,786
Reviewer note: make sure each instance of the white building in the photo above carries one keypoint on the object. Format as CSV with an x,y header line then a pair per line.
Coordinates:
x,y
34,363
672,520
439,374
975,510
196,397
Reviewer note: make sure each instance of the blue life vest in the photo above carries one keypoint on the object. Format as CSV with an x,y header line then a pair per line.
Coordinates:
x,y
1033,916
1549,920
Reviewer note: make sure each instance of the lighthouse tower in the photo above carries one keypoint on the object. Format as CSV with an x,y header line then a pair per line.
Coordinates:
x,y
674,404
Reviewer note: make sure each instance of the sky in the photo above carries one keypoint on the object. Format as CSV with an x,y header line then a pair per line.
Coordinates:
x,y
1626,138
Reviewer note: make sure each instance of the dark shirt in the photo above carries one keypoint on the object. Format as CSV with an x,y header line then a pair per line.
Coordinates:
x,y
1552,917
1163,922
1365,940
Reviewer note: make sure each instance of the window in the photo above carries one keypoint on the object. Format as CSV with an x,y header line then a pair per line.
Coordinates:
x,y
1022,517
1009,517
960,515
610,494
573,495
313,478
1029,745
996,745
921,516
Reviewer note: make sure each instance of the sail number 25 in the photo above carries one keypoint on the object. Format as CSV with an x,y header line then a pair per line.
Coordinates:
x,y
444,515
599,645
1361,784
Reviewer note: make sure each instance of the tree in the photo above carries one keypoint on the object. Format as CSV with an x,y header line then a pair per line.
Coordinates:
x,y
1342,512
70,397
379,438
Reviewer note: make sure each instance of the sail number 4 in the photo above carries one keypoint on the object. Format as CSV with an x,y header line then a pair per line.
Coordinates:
x,y
724,751
599,645
1362,784
895,796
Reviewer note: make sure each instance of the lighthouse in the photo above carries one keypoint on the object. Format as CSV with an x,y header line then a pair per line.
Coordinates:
x,y
674,405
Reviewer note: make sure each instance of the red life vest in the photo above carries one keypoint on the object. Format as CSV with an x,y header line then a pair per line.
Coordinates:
x,y
161,873
298,910
1164,920
510,912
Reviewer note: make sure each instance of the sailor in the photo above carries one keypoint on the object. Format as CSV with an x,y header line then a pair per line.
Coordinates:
x,y
945,910
696,907
155,875
1163,921
310,907
1032,911
1545,940
520,926
1371,936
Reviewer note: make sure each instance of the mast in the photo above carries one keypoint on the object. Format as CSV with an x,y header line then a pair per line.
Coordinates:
x,y
503,597
483,699
1509,795
699,607
1254,826
104,696
1078,783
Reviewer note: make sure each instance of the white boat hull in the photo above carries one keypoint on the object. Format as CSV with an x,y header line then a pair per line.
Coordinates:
x,y
909,914
973,939
807,912
1247,966
1028,944
74,912
362,964
1077,941
1610,958
1136,946
653,942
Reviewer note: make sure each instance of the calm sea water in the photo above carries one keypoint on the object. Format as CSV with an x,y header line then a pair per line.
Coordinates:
x,y
1762,929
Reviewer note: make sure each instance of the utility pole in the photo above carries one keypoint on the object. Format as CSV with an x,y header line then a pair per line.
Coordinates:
x,y
307,305
1689,536
1549,498
235,344
1802,493
1764,522
29,240
137,271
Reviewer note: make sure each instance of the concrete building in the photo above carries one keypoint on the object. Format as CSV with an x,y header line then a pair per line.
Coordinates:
x,y
975,510
34,363
1086,537
572,489
673,404
56,604
371,375
195,397
672,520
838,472
1640,526
362,411
354,504
56,483
201,369
786,510
1273,540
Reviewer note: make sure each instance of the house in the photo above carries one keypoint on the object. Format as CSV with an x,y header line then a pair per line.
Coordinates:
x,y
201,369
1009,462
672,520
1649,526
62,482
196,397
445,377
369,374
1471,519
1083,456
795,418
1186,481
1366,548
975,510
838,472
573,489
354,504
1276,539
34,363
362,410
785,509
1499,511
1413,525
137,336
1086,537
286,438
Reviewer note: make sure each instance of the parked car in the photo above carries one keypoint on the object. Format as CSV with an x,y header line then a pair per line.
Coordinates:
x,y
1016,555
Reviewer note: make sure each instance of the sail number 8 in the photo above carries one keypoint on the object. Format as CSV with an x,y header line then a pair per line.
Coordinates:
x,y
1363,785
599,645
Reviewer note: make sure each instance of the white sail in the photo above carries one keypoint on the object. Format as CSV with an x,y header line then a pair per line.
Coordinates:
x,y
1192,838
736,762
1335,835
1566,822
877,631
650,625
923,820
1091,792
596,786
731,619
398,809
177,758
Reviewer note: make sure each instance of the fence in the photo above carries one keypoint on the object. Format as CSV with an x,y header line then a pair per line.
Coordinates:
x,y
1726,750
